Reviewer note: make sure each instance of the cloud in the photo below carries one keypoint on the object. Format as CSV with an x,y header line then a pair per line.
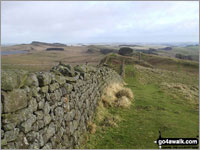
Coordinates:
x,y
87,21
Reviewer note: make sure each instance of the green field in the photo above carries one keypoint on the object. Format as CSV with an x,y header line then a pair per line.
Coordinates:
x,y
188,50
164,100
166,95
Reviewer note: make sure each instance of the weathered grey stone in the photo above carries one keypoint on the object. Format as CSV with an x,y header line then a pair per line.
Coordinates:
x,y
46,108
44,89
48,98
63,100
71,128
63,124
49,132
85,69
64,91
56,96
53,87
14,100
11,135
59,112
80,103
87,103
71,104
47,119
75,123
35,145
35,127
81,68
41,104
32,80
40,124
47,146
2,99
68,87
2,134
3,142
18,117
10,126
67,117
11,79
39,115
26,141
62,118
60,79
72,113
27,125
21,141
28,92
33,104
66,70
32,136
41,140
44,78
35,91
67,143
66,107
54,142
78,115
10,145
71,79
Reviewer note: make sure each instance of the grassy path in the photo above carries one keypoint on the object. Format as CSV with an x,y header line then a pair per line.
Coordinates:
x,y
152,110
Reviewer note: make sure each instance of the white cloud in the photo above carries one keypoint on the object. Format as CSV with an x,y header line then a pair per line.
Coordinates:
x,y
58,21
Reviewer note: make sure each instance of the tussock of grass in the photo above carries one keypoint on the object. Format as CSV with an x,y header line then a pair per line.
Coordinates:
x,y
92,127
125,92
123,102
117,95
101,112
114,95
111,121
182,90
109,94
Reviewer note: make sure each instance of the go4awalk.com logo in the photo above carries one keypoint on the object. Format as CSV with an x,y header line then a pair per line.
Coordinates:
x,y
177,142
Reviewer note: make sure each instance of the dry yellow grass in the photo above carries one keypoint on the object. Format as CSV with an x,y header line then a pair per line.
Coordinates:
x,y
123,102
182,89
113,95
125,92
92,127
117,95
101,112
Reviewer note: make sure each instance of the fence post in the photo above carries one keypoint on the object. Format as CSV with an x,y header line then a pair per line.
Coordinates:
x,y
122,69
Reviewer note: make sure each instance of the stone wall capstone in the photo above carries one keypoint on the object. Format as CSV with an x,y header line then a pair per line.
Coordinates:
x,y
49,110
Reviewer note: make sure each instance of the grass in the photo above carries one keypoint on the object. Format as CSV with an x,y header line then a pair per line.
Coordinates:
x,y
191,50
165,98
43,61
153,109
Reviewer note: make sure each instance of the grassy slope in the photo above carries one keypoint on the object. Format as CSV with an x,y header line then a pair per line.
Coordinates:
x,y
43,61
154,108
190,50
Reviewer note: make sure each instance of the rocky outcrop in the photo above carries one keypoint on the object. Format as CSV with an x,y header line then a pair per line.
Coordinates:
x,y
50,109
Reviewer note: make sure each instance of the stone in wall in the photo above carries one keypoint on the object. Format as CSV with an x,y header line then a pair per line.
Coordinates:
x,y
51,109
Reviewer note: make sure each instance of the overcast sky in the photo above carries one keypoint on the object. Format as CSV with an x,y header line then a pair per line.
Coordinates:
x,y
93,22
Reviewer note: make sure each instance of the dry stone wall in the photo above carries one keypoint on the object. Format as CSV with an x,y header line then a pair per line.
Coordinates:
x,y
50,109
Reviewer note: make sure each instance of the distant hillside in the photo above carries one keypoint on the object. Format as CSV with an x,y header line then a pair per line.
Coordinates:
x,y
48,44
153,61
102,49
33,46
